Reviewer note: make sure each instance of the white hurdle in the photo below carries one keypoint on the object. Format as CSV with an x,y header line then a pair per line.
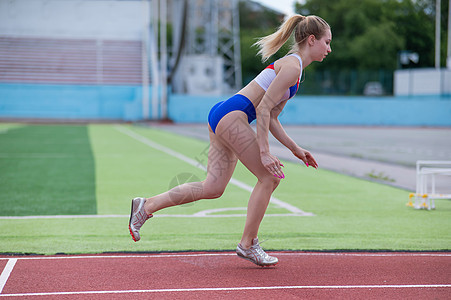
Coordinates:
x,y
425,192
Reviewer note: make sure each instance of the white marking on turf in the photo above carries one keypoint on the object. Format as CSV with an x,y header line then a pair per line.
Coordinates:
x,y
204,213
246,288
240,184
6,272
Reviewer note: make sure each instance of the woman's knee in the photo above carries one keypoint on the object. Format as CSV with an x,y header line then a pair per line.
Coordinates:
x,y
211,191
270,181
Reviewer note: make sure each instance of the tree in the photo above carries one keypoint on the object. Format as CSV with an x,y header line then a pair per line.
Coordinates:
x,y
368,34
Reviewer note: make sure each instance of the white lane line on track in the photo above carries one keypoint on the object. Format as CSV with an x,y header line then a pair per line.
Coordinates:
x,y
175,255
6,272
400,286
152,144
200,214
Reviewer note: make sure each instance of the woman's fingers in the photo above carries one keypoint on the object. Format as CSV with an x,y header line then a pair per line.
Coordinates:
x,y
277,171
311,161
314,163
273,165
306,157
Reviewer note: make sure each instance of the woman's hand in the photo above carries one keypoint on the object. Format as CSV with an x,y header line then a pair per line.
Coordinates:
x,y
272,164
305,156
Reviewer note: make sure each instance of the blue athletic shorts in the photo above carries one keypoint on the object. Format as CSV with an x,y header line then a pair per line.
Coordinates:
x,y
237,102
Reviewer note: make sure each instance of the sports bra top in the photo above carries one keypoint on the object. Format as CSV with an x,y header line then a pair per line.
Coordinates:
x,y
266,76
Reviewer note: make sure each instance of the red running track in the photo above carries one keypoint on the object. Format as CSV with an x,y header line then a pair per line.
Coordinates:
x,y
224,275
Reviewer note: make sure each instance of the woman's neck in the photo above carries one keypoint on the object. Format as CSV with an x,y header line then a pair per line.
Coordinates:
x,y
305,57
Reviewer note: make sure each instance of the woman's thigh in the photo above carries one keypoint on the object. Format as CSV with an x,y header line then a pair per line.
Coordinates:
x,y
234,131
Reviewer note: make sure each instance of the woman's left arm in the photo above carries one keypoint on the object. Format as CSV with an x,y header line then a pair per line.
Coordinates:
x,y
280,134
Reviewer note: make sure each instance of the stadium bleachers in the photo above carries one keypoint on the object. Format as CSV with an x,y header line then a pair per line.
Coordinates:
x,y
70,61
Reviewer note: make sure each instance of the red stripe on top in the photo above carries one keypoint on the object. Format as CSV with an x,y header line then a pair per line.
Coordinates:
x,y
271,66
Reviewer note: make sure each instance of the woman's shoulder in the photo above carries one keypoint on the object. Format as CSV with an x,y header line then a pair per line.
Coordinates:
x,y
289,61
290,64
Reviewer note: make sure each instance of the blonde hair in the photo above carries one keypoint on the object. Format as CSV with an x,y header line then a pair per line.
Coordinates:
x,y
302,26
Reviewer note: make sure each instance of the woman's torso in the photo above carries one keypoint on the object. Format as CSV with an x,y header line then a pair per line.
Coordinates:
x,y
255,91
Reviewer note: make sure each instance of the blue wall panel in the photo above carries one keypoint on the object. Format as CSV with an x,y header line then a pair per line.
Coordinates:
x,y
70,101
125,103
316,110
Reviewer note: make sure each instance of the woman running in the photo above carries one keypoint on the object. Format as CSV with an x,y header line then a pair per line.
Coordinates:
x,y
232,138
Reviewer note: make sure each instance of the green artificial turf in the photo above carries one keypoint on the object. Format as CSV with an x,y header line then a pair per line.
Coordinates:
x,y
46,170
350,213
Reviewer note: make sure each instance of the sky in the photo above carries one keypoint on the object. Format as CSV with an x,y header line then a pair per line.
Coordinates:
x,y
284,6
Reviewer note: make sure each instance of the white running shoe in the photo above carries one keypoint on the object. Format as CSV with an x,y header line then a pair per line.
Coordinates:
x,y
138,217
256,254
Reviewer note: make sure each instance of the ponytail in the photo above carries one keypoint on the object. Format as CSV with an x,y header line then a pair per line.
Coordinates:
x,y
303,28
270,44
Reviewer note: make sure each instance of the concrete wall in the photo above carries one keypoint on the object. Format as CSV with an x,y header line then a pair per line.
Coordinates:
x,y
421,82
105,19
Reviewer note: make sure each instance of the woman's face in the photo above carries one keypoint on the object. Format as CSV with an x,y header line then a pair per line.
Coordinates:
x,y
321,48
